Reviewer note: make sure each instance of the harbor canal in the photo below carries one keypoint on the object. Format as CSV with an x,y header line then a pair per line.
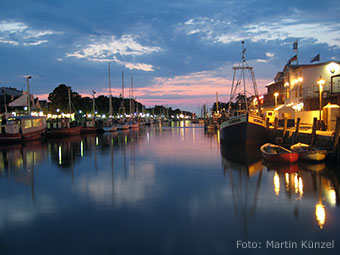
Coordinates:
x,y
162,190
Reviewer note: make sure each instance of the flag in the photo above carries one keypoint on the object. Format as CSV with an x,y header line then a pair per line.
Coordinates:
x,y
294,58
316,58
295,46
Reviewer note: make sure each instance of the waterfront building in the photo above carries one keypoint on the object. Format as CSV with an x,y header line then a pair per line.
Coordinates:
x,y
302,91
302,85
277,86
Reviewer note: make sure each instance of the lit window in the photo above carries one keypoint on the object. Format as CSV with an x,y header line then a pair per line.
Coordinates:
x,y
28,124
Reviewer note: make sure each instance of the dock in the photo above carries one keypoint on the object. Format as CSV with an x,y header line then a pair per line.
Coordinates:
x,y
288,136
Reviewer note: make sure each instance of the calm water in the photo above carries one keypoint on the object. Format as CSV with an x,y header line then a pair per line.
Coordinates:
x,y
159,191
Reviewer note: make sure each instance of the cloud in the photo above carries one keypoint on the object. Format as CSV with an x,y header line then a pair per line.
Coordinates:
x,y
106,49
223,31
18,33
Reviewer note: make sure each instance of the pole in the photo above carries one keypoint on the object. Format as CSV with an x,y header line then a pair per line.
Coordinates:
x,y
5,100
93,103
110,99
216,102
69,99
28,94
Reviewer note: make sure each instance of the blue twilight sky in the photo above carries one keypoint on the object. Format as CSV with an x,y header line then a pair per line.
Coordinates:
x,y
179,53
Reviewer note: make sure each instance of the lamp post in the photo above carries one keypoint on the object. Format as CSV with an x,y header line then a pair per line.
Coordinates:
x,y
321,82
276,94
28,94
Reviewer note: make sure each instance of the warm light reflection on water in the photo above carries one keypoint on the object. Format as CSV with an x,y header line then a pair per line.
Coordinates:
x,y
276,179
320,214
157,190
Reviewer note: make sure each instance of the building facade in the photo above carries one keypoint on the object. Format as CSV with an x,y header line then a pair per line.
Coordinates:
x,y
304,85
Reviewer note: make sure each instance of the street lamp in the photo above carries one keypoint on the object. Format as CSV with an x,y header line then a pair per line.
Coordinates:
x,y
276,94
321,82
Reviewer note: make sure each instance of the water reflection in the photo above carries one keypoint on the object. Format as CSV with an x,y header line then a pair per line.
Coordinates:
x,y
165,189
242,165
299,183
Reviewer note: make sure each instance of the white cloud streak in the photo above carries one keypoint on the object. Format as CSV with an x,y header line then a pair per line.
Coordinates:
x,y
223,31
107,49
18,33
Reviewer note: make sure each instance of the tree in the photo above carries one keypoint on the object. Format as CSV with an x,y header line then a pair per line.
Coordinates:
x,y
59,98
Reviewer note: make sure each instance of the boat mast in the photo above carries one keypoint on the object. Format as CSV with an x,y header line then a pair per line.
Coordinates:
x,y
122,107
132,98
110,99
243,75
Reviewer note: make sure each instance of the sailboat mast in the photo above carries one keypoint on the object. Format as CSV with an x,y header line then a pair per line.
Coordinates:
x,y
110,98
132,99
123,85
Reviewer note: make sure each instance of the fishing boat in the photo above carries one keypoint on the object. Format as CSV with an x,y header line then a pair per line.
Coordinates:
x,y
19,128
276,153
22,128
243,123
307,152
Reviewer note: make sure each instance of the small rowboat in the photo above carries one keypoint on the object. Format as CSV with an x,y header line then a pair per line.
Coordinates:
x,y
309,153
277,153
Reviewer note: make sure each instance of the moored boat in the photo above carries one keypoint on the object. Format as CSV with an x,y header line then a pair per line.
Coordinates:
x,y
243,129
243,123
276,153
63,127
22,128
91,126
307,152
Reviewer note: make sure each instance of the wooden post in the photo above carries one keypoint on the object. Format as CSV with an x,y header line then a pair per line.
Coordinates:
x,y
297,130
284,127
313,132
336,134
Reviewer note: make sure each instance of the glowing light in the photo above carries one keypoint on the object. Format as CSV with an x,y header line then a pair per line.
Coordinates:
x,y
300,185
286,84
287,177
97,141
331,197
296,183
320,214
333,68
276,180
298,107
300,79
81,149
60,154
